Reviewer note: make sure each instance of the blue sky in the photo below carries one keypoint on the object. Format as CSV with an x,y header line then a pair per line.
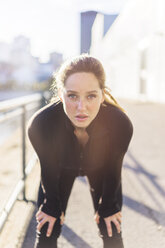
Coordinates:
x,y
51,25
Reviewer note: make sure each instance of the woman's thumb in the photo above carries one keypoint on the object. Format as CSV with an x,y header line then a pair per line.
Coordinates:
x,y
97,217
62,217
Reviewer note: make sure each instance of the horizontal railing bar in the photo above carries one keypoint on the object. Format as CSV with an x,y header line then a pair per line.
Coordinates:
x,y
17,112
8,116
11,202
19,187
33,105
20,101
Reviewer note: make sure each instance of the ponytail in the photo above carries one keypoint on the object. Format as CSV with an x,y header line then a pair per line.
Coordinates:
x,y
110,99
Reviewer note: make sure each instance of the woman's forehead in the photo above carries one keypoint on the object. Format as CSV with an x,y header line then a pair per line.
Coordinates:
x,y
82,81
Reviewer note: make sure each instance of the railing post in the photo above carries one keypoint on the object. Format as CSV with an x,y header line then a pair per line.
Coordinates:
x,y
43,100
24,149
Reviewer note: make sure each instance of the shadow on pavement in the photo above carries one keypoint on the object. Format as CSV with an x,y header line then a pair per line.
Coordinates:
x,y
73,238
138,169
156,216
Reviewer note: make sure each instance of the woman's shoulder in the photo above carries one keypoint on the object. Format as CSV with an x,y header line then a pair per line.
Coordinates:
x,y
117,118
120,125
46,115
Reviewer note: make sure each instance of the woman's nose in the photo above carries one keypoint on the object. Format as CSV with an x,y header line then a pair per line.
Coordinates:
x,y
81,104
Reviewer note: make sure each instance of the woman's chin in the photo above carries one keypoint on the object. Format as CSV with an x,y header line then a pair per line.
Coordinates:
x,y
81,124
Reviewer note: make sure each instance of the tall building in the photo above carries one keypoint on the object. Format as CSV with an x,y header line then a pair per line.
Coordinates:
x,y
87,20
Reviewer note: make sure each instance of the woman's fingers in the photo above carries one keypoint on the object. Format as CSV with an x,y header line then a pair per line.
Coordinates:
x,y
40,224
119,219
116,219
39,213
42,218
97,217
39,218
117,224
120,214
109,227
62,218
50,228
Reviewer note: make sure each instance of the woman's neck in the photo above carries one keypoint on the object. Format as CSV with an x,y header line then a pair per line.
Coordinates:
x,y
81,135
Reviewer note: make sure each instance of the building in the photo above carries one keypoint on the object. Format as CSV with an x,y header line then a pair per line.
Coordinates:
x,y
88,18
24,64
18,65
133,50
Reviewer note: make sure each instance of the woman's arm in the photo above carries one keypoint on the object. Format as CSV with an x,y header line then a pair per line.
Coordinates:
x,y
38,132
111,204
117,148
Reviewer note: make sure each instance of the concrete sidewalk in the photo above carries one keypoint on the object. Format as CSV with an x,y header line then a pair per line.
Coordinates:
x,y
143,189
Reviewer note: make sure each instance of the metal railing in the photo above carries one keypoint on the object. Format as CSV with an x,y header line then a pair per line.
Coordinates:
x,y
10,109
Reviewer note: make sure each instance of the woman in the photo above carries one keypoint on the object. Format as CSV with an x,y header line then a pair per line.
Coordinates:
x,y
84,133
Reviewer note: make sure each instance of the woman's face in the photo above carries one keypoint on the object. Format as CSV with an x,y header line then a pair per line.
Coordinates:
x,y
81,97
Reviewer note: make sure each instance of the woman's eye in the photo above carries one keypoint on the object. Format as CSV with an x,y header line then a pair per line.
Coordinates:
x,y
91,96
72,96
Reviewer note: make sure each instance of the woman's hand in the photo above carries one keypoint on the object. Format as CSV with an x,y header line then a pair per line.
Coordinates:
x,y
42,218
116,219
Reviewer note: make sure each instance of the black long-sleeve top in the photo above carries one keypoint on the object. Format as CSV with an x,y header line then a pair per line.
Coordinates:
x,y
52,136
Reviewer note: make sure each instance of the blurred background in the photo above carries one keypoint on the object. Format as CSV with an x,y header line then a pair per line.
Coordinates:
x,y
128,36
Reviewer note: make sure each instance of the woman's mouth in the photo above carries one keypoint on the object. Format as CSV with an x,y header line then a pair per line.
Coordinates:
x,y
81,117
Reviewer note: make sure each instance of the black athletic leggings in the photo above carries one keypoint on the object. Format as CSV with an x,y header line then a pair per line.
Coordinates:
x,y
65,189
